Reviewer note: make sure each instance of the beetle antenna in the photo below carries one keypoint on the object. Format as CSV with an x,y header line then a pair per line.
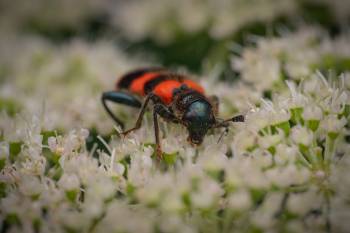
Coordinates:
x,y
239,118
222,134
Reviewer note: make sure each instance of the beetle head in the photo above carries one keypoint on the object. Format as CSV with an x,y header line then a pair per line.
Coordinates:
x,y
198,119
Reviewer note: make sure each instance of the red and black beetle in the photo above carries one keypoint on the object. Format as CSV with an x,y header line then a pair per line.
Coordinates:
x,y
175,98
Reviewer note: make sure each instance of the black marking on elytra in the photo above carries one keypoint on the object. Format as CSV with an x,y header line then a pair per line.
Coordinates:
x,y
128,78
151,84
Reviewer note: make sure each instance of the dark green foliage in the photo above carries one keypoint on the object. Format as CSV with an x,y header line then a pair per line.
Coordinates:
x,y
15,148
93,140
10,106
316,12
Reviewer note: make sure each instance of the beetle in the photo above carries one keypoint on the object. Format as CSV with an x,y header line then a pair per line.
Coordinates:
x,y
175,98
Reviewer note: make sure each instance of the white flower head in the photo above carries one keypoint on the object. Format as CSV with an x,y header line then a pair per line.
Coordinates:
x,y
285,153
4,150
332,124
312,112
270,140
209,192
30,185
69,182
302,135
240,200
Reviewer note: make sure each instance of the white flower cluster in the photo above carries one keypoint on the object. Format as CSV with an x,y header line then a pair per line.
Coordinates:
x,y
284,169
293,56
64,83
163,20
265,67
43,15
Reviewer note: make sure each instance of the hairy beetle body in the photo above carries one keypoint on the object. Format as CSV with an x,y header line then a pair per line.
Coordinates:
x,y
175,97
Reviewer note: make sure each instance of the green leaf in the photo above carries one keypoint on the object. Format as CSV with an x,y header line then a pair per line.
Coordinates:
x,y
333,135
332,62
170,159
303,149
265,130
130,189
285,126
287,216
10,106
186,199
12,219
37,225
58,173
254,229
257,196
93,140
272,150
46,135
313,124
2,189
346,111
296,115
218,175
2,163
35,197
15,149
72,195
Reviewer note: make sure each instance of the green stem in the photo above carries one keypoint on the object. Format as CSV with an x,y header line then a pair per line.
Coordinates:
x,y
328,213
329,150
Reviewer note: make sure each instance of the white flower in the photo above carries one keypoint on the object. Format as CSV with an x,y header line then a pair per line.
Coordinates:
x,y
261,70
160,20
102,188
285,153
93,207
4,150
268,141
172,202
287,176
208,192
174,223
302,135
52,143
34,165
73,219
70,79
30,185
118,168
312,112
69,182
141,167
301,203
243,141
210,162
155,189
240,201
264,217
332,124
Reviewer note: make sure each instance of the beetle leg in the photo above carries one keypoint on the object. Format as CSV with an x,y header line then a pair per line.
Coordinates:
x,y
121,98
166,113
159,152
140,117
